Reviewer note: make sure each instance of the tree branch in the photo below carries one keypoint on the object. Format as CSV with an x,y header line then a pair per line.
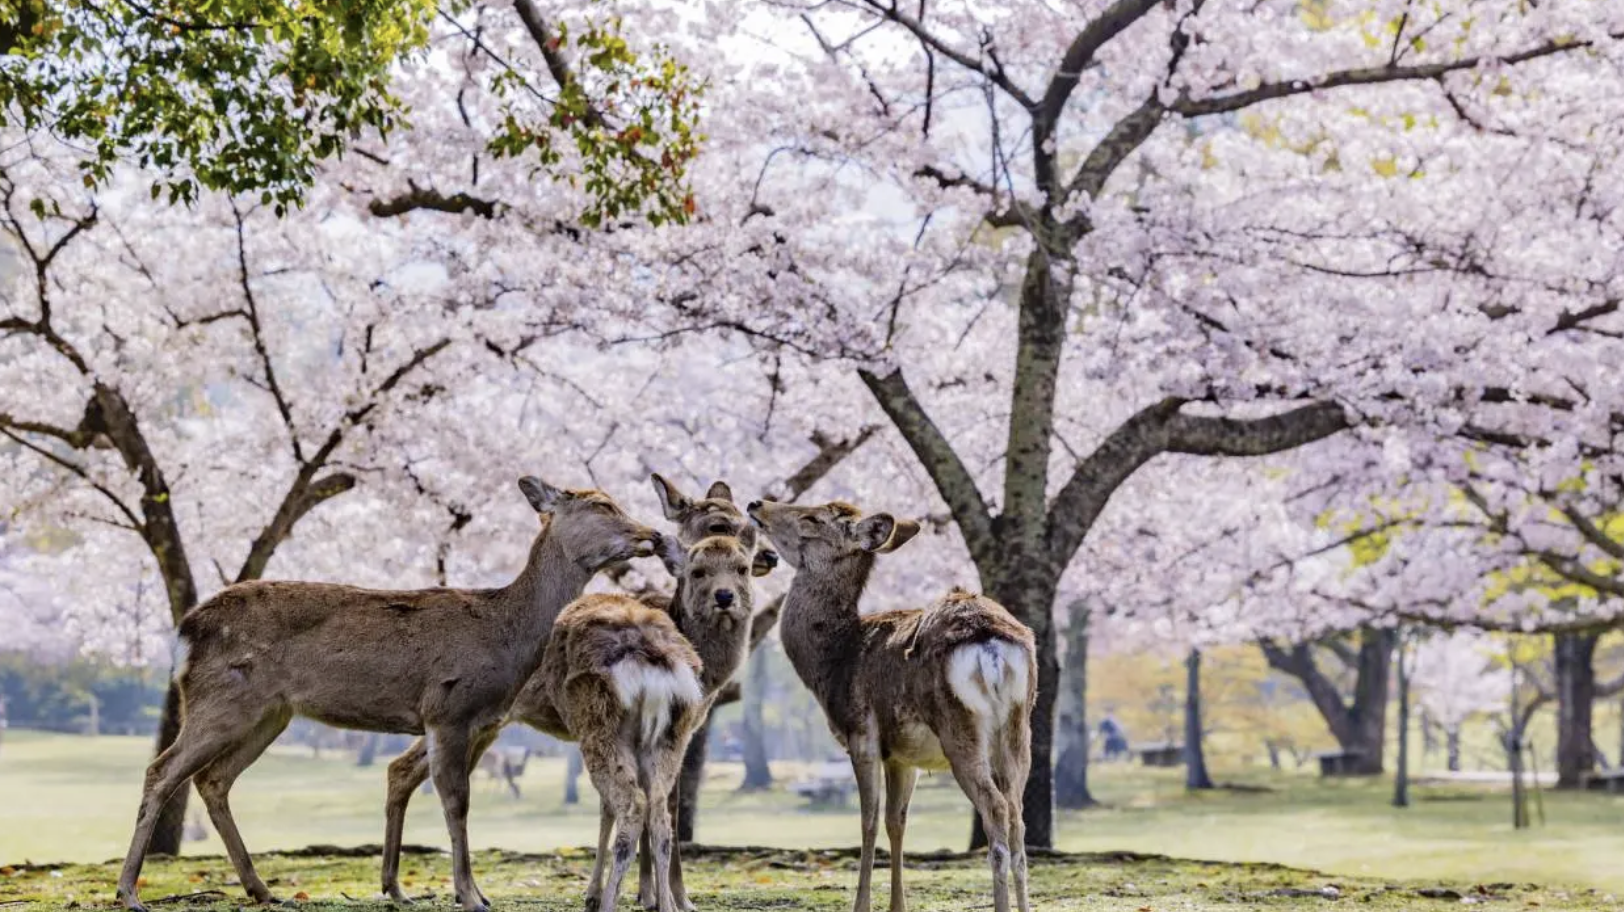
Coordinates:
x,y
953,480
1111,23
305,494
536,24
996,74
1217,436
433,200
830,453
1218,104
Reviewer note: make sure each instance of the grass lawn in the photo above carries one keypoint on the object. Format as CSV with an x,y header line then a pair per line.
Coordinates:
x,y
70,799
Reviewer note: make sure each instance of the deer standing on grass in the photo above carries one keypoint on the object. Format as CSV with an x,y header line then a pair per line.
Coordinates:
x,y
713,516
442,662
951,686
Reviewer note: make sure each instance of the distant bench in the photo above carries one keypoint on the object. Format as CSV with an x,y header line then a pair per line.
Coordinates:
x,y
1606,781
830,785
1334,764
1162,753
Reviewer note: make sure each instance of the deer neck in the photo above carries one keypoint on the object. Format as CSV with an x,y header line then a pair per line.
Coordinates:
x,y
721,649
549,581
821,629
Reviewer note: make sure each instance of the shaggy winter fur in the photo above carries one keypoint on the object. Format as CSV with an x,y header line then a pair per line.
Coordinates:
x,y
951,686
723,556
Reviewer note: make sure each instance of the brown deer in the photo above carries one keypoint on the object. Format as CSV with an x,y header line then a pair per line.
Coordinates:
x,y
951,686
505,767
715,515
441,662
632,684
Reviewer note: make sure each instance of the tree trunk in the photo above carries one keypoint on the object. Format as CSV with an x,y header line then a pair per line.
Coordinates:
x,y
1195,756
1360,726
693,776
1071,770
1032,603
1452,742
1429,734
1575,697
757,774
1621,732
1401,777
572,775
171,828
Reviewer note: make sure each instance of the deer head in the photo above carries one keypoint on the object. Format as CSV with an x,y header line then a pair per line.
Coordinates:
x,y
715,575
592,529
817,537
715,514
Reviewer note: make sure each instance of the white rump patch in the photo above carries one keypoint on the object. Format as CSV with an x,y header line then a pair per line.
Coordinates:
x,y
990,679
652,692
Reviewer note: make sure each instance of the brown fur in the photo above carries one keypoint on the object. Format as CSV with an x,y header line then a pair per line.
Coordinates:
x,y
712,525
884,682
446,662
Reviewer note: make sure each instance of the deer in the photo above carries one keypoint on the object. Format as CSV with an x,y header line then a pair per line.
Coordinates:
x,y
947,687
444,663
505,768
716,515
632,683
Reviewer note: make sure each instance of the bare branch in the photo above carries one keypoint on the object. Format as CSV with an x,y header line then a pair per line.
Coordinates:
x,y
830,453
1080,54
433,200
1218,104
953,480
993,72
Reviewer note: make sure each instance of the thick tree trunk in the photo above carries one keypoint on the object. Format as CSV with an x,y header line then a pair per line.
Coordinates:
x,y
1575,698
757,774
171,829
693,776
1195,755
1401,776
1071,769
1360,726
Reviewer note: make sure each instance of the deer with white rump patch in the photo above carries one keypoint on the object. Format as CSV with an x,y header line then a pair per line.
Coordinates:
x,y
442,662
712,611
950,687
632,683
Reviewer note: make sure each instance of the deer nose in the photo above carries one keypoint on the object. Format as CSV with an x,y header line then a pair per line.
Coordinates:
x,y
724,598
754,506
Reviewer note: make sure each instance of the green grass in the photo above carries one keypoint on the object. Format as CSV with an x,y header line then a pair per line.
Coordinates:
x,y
778,879
72,799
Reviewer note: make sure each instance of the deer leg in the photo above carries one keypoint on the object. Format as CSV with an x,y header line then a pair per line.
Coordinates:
x,y
968,757
1012,765
450,753
200,740
865,764
647,896
614,774
662,774
679,893
606,828
899,786
214,787
406,773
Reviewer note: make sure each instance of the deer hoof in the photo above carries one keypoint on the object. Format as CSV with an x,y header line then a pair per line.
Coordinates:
x,y
131,901
593,903
397,896
266,899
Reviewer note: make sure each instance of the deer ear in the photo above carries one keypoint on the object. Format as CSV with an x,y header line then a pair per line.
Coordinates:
x,y
672,554
672,501
872,532
720,491
542,496
901,534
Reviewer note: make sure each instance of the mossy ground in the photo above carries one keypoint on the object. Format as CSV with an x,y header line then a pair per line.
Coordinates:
x,y
324,878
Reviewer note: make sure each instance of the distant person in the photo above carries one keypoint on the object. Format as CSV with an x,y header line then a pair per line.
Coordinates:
x,y
1115,738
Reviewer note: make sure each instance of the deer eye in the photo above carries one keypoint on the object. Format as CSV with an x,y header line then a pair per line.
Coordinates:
x,y
741,568
720,529
698,573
